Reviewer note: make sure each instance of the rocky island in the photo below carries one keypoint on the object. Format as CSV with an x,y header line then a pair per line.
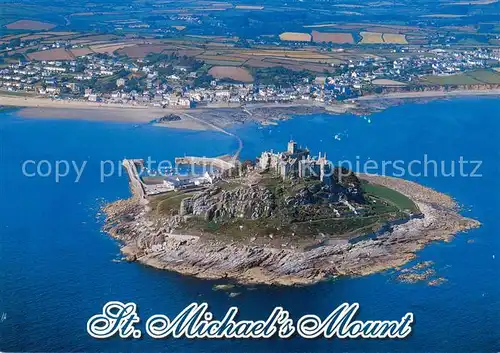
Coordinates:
x,y
288,218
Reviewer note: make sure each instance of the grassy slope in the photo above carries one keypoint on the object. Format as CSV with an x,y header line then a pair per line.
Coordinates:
x,y
399,200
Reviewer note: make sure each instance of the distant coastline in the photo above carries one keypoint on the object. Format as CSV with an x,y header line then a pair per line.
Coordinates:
x,y
219,115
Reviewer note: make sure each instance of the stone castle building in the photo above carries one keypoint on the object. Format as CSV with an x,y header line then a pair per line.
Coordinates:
x,y
296,162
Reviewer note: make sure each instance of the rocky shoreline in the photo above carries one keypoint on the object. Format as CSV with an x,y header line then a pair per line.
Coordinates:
x,y
149,242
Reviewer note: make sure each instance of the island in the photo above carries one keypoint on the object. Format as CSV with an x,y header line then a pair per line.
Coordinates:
x,y
287,218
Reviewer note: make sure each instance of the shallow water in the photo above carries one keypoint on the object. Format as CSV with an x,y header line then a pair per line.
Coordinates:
x,y
57,267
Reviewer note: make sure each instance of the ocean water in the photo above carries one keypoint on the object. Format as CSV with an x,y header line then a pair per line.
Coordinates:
x,y
57,268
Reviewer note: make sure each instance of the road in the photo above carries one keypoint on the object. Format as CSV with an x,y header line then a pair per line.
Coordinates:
x,y
218,128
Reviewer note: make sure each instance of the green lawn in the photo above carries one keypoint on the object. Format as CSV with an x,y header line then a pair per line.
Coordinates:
x,y
390,195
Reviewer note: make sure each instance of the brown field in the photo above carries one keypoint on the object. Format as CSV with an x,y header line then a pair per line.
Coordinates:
x,y
249,7
61,33
81,51
140,51
295,36
371,38
53,54
31,25
235,73
340,38
394,38
15,36
109,48
35,36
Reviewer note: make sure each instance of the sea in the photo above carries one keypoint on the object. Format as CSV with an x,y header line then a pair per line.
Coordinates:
x,y
58,268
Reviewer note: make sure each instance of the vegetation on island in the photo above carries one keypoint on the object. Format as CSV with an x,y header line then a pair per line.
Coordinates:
x,y
296,208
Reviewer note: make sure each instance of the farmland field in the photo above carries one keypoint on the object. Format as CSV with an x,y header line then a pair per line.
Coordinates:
x,y
30,25
52,54
470,78
394,38
371,38
295,36
339,38
486,76
109,48
235,73
81,51
35,36
141,51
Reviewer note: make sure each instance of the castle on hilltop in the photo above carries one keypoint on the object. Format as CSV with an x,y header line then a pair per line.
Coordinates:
x,y
296,162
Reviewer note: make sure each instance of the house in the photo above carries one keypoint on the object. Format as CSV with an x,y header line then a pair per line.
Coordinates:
x,y
120,82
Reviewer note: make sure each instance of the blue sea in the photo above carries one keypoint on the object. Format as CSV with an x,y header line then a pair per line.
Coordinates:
x,y
57,268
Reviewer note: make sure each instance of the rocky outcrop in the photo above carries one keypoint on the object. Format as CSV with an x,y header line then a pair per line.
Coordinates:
x,y
151,241
215,203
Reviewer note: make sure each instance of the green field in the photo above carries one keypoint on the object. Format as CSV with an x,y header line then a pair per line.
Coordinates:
x,y
390,195
477,77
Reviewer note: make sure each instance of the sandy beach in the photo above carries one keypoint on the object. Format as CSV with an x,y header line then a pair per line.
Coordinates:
x,y
44,108
207,117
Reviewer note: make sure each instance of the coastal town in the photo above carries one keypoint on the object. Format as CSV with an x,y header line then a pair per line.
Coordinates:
x,y
183,82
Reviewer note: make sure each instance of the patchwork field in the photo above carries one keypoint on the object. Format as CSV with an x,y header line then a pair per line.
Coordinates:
x,y
52,54
81,51
236,73
382,38
109,48
392,38
371,38
338,38
471,78
140,51
30,25
295,37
